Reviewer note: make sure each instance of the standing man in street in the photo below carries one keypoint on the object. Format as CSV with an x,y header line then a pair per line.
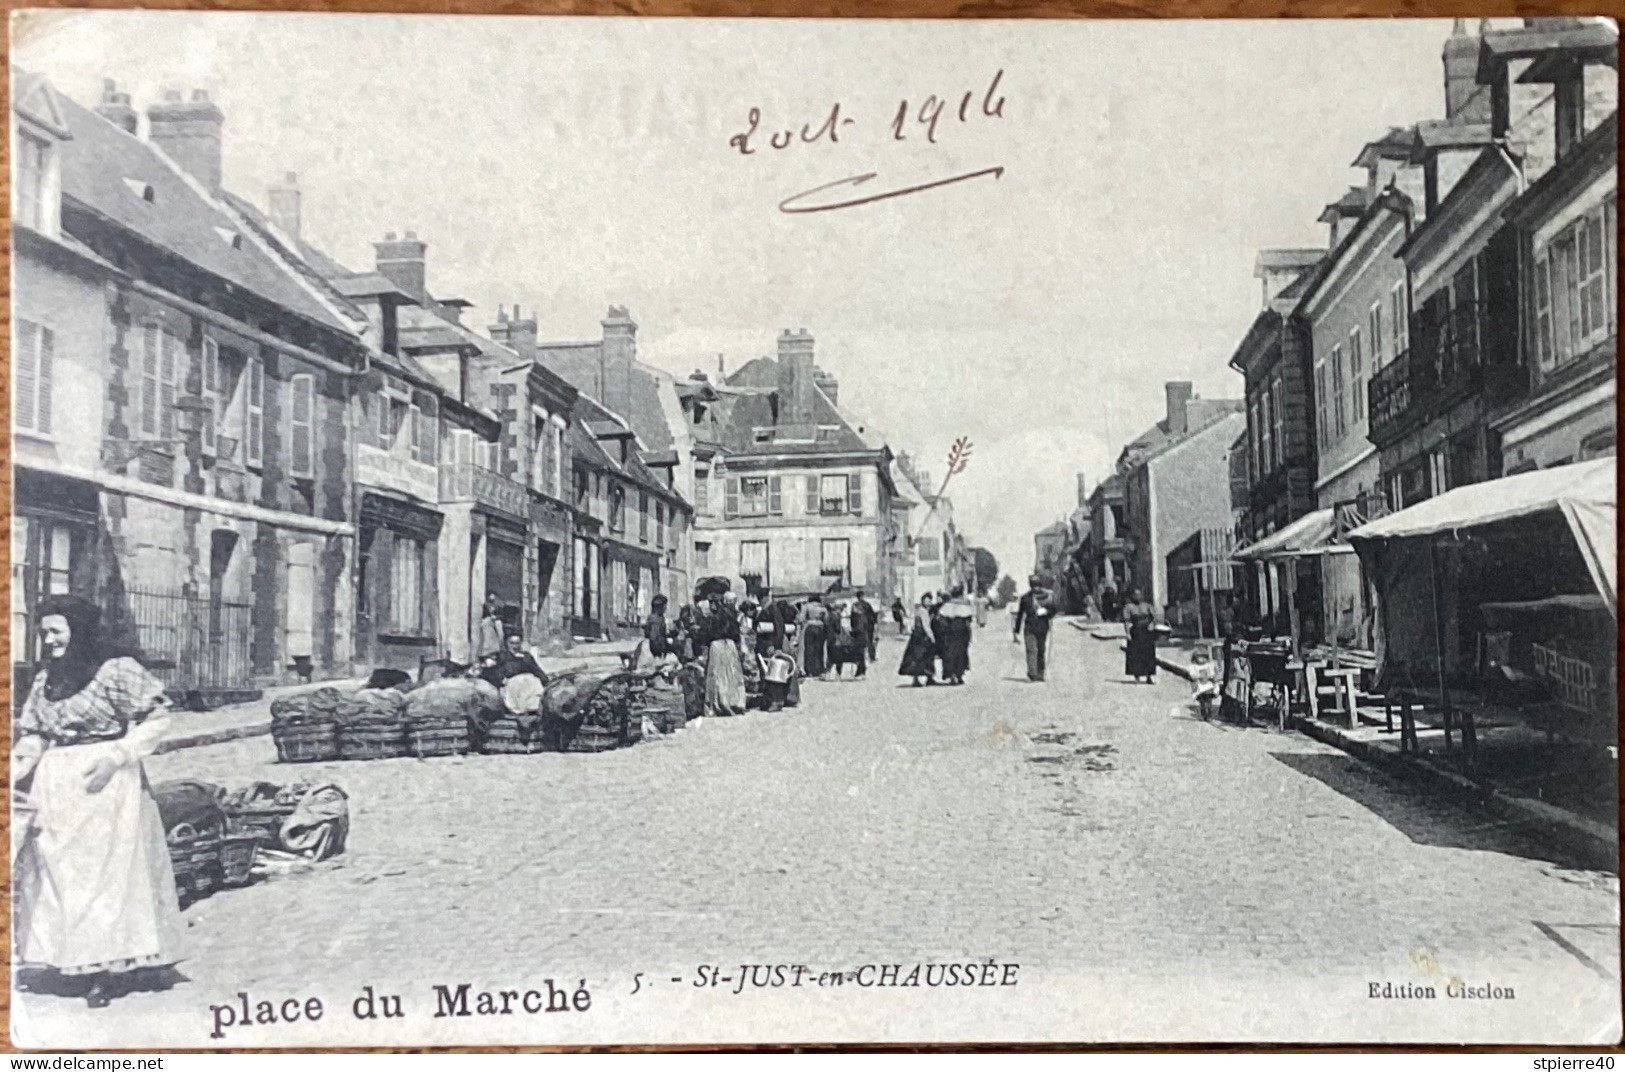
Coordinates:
x,y
863,611
1033,613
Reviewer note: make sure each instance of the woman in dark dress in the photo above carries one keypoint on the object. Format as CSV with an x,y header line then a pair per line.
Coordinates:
x,y
953,628
1139,617
920,656
814,627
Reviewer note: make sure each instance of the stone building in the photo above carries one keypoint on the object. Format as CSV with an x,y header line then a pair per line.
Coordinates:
x,y
797,501
1562,406
211,512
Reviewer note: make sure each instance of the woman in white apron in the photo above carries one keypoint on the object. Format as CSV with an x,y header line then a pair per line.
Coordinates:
x,y
95,889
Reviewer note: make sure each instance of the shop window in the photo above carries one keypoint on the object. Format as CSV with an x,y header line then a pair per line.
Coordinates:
x,y
754,565
406,586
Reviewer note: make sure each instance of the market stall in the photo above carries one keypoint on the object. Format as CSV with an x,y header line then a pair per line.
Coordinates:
x,y
1498,587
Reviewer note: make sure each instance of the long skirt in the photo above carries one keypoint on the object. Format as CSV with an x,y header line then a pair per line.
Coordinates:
x,y
724,679
955,647
812,650
920,657
1141,660
95,890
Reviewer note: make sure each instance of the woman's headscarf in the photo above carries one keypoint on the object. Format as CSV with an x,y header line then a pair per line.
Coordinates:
x,y
87,650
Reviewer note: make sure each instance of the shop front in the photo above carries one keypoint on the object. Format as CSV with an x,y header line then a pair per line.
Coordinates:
x,y
398,603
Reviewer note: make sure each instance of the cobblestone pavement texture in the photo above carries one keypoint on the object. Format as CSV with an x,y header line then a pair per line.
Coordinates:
x,y
1086,821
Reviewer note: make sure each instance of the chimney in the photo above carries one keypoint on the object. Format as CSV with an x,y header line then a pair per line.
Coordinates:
x,y
619,350
829,384
401,261
1465,101
283,200
722,370
1179,397
116,108
188,132
522,334
796,384
1083,490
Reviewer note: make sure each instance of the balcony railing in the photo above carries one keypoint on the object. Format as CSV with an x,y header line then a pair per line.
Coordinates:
x,y
467,482
1444,359
379,468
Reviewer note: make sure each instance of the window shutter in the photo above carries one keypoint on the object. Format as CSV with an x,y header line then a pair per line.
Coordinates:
x,y
149,379
211,392
854,493
775,496
27,369
812,496
415,415
169,368
254,417
301,425
1543,312
730,504
47,377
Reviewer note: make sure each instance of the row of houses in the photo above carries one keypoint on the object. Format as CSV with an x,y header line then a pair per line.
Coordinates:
x,y
1458,325
270,466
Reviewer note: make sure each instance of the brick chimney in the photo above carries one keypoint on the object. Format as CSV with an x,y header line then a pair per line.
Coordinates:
x,y
1083,490
188,132
829,384
619,350
522,334
401,261
796,384
1465,101
1179,397
283,203
115,107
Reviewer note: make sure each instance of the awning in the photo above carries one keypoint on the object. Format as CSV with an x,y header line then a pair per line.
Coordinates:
x,y
1310,535
1584,493
1589,603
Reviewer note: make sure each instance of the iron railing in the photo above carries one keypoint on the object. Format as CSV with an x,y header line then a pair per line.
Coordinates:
x,y
192,642
1444,358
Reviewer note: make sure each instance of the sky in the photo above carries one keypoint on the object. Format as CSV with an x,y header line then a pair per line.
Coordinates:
x,y
568,164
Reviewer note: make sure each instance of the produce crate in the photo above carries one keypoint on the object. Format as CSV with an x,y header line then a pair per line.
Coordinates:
x,y
506,736
371,740
437,737
305,740
194,855
237,854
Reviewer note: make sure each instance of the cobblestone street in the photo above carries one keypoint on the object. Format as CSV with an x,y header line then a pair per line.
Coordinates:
x,y
1094,831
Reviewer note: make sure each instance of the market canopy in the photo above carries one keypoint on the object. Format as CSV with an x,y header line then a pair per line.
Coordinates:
x,y
1584,493
1312,534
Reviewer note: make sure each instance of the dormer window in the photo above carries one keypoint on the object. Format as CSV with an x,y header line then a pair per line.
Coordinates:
x,y
33,163
143,190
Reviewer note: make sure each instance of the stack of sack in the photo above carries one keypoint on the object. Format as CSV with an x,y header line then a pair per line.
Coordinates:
x,y
441,715
371,725
305,727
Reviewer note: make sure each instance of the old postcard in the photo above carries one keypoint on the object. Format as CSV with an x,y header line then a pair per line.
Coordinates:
x,y
570,530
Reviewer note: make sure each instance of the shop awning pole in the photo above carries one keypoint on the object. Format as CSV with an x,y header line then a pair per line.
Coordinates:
x,y
1438,638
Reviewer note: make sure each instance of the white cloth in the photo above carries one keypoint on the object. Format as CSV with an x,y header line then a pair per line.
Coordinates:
x,y
95,888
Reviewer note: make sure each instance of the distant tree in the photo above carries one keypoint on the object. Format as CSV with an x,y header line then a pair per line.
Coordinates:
x,y
987,569
1006,593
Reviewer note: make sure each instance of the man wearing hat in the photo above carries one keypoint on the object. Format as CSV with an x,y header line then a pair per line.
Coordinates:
x,y
1033,614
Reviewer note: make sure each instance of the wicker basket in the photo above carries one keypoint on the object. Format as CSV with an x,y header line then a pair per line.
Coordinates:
x,y
506,737
437,737
195,858
262,824
607,720
236,855
305,740
371,740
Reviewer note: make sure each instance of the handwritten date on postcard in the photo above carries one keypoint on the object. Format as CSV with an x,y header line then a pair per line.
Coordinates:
x,y
910,121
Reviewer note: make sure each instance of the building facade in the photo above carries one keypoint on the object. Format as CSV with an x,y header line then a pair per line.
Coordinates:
x,y
211,514
797,502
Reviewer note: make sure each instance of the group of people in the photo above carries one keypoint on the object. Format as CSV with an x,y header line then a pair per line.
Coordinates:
x,y
735,640
938,650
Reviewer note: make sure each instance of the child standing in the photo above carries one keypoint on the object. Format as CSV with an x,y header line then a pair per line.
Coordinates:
x,y
1204,682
